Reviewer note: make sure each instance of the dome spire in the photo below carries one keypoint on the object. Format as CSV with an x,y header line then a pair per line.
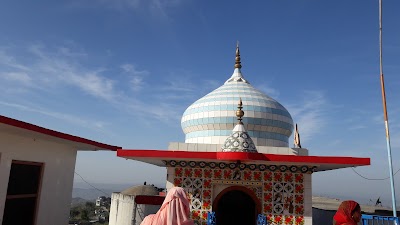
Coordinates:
x,y
237,58
237,74
239,112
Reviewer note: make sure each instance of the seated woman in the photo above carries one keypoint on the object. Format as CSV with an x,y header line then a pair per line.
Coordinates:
x,y
349,213
174,210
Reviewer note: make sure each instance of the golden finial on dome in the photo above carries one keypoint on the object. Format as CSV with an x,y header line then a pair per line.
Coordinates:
x,y
239,112
237,59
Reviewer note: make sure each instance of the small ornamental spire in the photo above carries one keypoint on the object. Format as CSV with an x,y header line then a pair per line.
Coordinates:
x,y
239,140
239,112
296,141
237,59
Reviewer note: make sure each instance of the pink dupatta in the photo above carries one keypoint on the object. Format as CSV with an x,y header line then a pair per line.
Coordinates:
x,y
174,210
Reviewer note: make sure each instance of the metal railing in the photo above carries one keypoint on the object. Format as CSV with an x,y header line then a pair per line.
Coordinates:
x,y
379,220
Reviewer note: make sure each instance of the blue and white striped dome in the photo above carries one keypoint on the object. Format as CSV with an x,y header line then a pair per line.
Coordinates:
x,y
210,119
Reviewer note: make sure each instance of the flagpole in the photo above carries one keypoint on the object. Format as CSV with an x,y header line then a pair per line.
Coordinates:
x,y
385,113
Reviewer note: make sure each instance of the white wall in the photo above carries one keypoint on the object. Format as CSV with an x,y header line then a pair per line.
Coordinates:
x,y
308,199
121,211
59,165
170,178
122,208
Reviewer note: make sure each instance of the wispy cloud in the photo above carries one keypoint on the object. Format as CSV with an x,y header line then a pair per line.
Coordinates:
x,y
310,113
158,9
66,51
179,85
20,77
83,122
179,81
131,69
119,5
357,127
94,84
267,89
10,61
48,69
62,69
184,87
136,76
162,111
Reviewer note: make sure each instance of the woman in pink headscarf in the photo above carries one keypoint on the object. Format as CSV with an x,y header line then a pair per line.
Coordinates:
x,y
174,210
349,213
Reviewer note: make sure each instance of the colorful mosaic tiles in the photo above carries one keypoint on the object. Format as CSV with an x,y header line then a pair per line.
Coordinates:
x,y
241,166
280,189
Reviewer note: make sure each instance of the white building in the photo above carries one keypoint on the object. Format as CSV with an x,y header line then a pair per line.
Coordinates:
x,y
36,172
123,209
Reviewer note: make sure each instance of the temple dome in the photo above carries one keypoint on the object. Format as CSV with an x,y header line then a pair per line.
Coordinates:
x,y
210,120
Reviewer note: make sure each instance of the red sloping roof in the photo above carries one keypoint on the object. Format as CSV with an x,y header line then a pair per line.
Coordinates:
x,y
156,157
42,130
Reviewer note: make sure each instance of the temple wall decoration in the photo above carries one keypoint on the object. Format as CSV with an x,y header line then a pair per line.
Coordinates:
x,y
280,189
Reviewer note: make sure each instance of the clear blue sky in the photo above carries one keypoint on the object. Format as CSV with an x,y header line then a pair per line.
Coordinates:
x,y
123,71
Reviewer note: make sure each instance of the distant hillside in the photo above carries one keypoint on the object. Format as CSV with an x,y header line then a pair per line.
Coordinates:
x,y
78,201
326,203
91,194
84,191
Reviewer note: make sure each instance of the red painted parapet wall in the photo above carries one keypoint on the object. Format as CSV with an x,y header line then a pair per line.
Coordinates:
x,y
279,189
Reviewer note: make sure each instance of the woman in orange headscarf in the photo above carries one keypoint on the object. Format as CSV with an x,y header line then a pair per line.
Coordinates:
x,y
349,213
174,210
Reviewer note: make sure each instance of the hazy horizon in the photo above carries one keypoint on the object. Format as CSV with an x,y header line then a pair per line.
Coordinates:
x,y
110,188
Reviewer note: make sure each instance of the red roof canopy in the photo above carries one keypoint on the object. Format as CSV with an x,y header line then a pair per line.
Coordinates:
x,y
322,163
16,126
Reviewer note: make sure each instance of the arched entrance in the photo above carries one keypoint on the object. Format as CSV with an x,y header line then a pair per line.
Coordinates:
x,y
236,206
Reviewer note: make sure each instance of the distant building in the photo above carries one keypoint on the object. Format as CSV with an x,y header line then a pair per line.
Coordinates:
x,y
36,172
103,201
125,211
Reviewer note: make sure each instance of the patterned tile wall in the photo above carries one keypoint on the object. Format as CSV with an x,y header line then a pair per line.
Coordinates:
x,y
280,189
